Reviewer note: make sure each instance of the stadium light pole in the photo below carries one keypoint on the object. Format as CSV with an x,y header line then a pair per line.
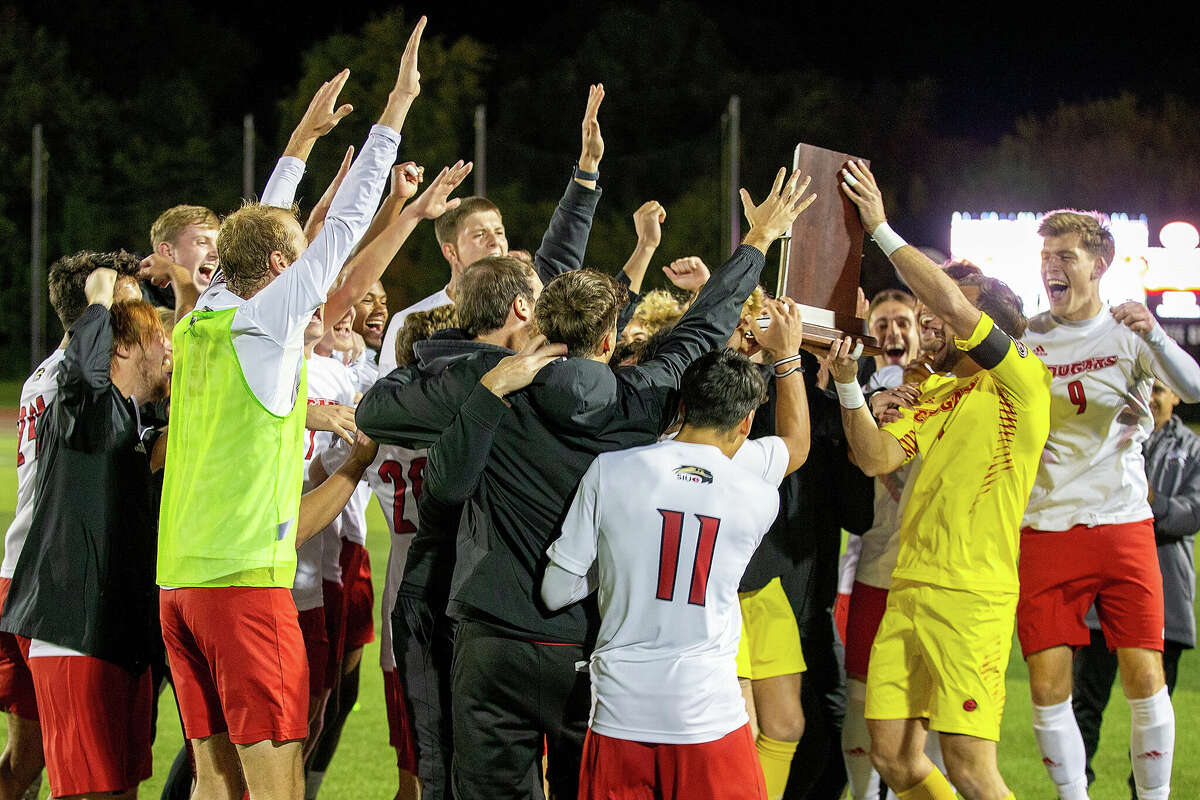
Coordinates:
x,y
480,149
731,124
248,156
36,267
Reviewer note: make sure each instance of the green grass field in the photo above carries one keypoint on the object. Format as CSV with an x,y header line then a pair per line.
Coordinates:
x,y
364,766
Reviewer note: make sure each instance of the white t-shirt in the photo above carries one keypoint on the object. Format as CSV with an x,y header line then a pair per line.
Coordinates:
x,y
1092,472
395,478
669,556
387,350
37,394
328,382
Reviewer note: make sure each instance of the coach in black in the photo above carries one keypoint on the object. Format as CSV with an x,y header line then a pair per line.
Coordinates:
x,y
514,674
84,589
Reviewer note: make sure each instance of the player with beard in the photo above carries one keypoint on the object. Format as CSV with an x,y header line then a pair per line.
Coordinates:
x,y
21,762
941,650
94,541
1089,530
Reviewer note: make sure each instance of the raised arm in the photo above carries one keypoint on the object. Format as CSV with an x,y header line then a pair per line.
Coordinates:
x,y
85,379
713,315
321,116
399,221
1162,357
928,283
647,222
565,241
781,341
876,452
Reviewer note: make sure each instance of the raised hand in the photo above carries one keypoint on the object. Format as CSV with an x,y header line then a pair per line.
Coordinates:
x,y
159,270
593,143
408,82
785,333
316,217
886,404
1134,316
774,216
406,178
321,116
842,359
647,221
688,273
98,288
859,185
362,453
434,202
518,370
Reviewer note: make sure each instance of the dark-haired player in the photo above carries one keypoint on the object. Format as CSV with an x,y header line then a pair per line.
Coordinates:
x,y
942,648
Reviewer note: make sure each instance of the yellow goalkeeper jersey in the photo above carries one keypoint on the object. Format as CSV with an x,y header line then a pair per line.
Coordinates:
x,y
980,440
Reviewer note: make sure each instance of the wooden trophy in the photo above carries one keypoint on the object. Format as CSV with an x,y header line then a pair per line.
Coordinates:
x,y
821,257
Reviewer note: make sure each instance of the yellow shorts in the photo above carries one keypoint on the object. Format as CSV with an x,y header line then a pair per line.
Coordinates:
x,y
770,643
941,654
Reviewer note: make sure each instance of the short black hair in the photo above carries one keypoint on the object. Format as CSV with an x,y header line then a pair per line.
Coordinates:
x,y
69,275
719,389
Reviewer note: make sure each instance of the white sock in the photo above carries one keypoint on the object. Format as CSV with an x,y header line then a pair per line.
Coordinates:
x,y
312,784
856,744
1061,746
1152,744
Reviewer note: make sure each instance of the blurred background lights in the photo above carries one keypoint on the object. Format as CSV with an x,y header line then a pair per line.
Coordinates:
x,y
1179,236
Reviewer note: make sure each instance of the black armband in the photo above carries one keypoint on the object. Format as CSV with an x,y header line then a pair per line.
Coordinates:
x,y
992,350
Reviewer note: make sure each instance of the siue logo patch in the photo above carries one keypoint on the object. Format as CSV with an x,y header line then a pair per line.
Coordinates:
x,y
690,474
969,704
1022,351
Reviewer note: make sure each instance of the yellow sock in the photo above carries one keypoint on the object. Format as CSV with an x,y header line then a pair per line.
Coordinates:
x,y
934,787
776,759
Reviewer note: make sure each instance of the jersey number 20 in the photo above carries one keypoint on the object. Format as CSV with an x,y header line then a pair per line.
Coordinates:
x,y
668,555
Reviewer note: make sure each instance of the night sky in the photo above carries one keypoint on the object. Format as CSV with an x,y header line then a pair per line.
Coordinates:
x,y
994,63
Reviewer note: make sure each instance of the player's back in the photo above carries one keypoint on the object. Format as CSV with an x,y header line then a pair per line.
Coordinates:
x,y
678,523
1091,471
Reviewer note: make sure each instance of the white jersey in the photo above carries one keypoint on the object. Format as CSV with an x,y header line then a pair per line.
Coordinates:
x,y
328,383
387,350
1092,472
353,519
669,558
395,478
37,394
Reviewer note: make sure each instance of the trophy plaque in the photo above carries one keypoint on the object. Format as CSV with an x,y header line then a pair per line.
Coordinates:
x,y
821,257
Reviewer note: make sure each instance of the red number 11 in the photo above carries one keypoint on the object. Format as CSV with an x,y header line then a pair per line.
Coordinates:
x,y
668,555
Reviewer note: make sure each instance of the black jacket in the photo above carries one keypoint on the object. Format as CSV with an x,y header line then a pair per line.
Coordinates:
x,y
574,410
85,579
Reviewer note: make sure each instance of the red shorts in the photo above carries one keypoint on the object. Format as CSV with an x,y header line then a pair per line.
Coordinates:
x,y
316,647
238,661
620,769
401,735
1064,572
16,684
348,609
95,724
867,604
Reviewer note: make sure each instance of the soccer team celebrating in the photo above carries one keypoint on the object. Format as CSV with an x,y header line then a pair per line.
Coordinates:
x,y
604,506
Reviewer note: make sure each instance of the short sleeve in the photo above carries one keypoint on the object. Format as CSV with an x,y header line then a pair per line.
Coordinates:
x,y
575,549
1009,361
904,430
766,457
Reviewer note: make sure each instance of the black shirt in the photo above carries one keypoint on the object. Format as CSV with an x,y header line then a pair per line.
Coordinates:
x,y
574,410
85,579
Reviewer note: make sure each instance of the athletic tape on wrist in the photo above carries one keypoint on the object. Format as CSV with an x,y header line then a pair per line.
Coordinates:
x,y
584,175
850,395
888,240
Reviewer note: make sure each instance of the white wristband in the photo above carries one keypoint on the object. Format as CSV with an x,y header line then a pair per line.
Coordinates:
x,y
850,395
888,240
